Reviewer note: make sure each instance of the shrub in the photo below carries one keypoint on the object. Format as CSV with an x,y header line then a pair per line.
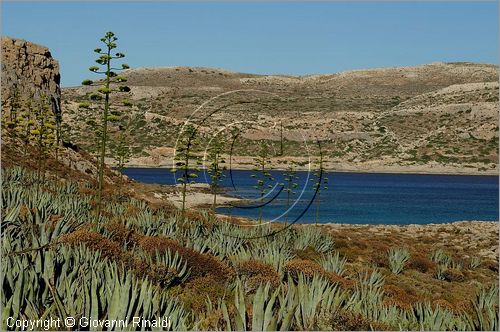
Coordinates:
x,y
196,216
421,263
342,243
443,304
398,297
257,273
95,241
491,265
118,232
453,275
197,291
397,259
308,253
379,259
341,281
346,320
253,267
200,264
295,267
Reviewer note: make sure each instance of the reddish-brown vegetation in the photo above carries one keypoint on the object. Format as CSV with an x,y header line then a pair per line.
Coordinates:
x,y
258,273
200,264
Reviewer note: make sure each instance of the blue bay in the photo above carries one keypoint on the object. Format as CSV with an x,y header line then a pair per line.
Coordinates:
x,y
358,198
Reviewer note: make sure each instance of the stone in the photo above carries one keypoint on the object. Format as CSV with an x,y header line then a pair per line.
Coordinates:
x,y
30,68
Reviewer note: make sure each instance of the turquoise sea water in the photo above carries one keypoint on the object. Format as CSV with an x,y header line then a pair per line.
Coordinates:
x,y
361,198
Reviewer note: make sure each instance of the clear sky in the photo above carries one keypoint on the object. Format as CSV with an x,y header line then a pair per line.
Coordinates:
x,y
256,37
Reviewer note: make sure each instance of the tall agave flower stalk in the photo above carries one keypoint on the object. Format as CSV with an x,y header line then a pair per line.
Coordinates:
x,y
101,98
184,160
290,185
216,167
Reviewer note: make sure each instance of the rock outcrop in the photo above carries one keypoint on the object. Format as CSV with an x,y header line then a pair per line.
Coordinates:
x,y
30,70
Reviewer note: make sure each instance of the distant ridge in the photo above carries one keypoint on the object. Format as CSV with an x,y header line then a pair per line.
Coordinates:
x,y
438,117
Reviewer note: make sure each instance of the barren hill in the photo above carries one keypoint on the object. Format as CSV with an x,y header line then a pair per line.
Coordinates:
x,y
441,117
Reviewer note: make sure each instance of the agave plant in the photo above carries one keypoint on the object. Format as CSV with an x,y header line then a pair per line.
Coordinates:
x,y
317,297
367,296
265,315
440,257
332,262
434,319
398,257
174,268
439,273
41,280
314,238
485,306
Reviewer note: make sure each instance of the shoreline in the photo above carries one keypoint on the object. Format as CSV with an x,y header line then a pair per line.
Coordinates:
x,y
354,171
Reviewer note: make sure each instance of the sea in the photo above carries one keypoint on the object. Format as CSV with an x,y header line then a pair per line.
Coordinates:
x,y
354,198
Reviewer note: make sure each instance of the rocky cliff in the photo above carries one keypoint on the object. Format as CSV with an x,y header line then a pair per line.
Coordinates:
x,y
29,69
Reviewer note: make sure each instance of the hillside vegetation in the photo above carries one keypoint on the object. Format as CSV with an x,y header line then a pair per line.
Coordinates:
x,y
441,117
204,273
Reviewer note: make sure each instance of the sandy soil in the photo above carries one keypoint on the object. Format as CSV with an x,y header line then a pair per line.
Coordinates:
x,y
198,199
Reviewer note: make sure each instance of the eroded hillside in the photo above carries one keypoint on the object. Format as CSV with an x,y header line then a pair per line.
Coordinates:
x,y
441,117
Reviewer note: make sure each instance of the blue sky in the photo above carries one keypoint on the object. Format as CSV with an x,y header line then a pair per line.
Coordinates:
x,y
269,38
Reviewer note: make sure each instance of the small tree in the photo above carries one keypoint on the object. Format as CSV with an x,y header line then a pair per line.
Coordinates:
x,y
14,124
185,158
103,94
262,175
215,169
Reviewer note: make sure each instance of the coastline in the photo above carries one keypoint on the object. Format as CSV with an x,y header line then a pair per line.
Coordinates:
x,y
383,166
398,170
